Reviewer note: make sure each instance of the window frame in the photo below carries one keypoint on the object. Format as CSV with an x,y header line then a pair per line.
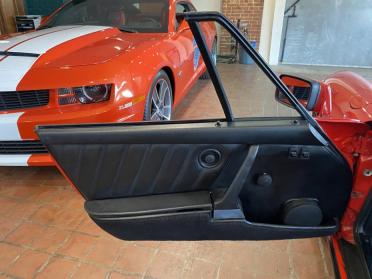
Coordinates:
x,y
194,19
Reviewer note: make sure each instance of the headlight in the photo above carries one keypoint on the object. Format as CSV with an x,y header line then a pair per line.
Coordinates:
x,y
84,95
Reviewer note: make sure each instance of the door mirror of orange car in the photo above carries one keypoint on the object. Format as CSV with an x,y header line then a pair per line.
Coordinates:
x,y
306,91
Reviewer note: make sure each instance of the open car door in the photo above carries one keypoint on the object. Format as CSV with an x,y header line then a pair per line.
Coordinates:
x,y
227,179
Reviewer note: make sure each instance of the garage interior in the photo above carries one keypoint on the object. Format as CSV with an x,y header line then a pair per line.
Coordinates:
x,y
44,230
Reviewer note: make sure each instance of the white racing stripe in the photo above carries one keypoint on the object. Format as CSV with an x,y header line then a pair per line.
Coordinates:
x,y
12,71
10,42
14,160
42,44
9,127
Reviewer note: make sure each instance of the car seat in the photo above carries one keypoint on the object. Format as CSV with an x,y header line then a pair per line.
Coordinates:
x,y
117,18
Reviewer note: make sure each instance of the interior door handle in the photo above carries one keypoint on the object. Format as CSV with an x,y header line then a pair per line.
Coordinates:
x,y
229,200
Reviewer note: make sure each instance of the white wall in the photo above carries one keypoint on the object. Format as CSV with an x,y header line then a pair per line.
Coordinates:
x,y
207,5
271,30
331,32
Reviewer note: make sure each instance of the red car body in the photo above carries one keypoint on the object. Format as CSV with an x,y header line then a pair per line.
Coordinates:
x,y
344,111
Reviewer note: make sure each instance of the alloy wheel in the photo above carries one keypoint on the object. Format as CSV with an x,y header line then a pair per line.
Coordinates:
x,y
161,101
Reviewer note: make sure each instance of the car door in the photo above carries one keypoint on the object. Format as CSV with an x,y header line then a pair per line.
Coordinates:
x,y
220,179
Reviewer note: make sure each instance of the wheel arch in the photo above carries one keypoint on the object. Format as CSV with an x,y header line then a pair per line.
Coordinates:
x,y
171,77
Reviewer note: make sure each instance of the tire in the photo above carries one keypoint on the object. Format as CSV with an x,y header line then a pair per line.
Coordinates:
x,y
159,103
205,75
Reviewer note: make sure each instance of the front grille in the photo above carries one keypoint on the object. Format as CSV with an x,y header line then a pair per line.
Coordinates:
x,y
22,147
23,99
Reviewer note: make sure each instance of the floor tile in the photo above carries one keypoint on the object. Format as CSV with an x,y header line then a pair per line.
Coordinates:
x,y
77,246
6,227
7,205
210,251
166,266
227,272
240,255
45,215
28,264
177,247
67,198
116,275
135,259
87,226
273,265
68,218
51,239
308,266
8,254
58,268
105,251
90,272
25,234
199,269
22,211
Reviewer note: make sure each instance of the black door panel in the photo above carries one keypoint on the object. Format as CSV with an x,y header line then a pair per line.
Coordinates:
x,y
104,171
202,181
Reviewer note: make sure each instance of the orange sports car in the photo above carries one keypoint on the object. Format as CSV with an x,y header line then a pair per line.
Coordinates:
x,y
96,61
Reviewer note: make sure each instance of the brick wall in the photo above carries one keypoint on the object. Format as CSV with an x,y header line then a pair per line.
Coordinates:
x,y
250,14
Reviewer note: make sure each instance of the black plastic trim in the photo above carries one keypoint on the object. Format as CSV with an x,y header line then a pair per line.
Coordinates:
x,y
276,132
21,54
150,205
212,70
230,197
200,225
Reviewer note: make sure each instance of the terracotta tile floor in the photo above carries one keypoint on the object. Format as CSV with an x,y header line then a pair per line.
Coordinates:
x,y
45,233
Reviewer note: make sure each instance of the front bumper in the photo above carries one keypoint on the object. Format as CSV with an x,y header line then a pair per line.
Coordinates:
x,y
24,153
26,160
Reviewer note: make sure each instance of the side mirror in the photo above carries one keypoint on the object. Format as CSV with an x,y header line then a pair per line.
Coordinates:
x,y
306,91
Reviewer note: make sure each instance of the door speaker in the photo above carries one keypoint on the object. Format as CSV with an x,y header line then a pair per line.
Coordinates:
x,y
302,213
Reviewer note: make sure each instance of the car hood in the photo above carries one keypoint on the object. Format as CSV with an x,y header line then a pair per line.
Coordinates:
x,y
68,45
61,48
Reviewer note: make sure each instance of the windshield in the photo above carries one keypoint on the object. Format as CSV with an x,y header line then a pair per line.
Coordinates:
x,y
138,15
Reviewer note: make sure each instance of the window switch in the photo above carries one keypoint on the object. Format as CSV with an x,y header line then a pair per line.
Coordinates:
x,y
305,154
294,152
